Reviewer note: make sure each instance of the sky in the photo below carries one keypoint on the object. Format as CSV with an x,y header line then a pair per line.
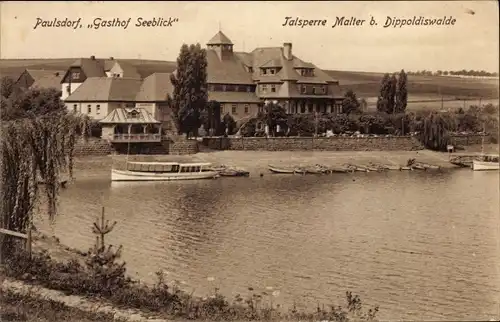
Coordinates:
x,y
471,43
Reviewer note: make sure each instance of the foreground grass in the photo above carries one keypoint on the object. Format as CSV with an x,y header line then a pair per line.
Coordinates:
x,y
109,283
30,308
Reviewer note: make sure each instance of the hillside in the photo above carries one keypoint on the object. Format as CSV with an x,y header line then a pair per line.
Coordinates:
x,y
14,67
367,84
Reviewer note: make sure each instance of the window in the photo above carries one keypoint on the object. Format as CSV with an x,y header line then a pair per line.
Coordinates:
x,y
303,89
314,90
246,108
249,89
75,75
133,114
217,88
272,71
224,88
310,107
250,69
233,109
98,109
323,89
222,109
264,88
273,88
75,106
303,108
211,88
263,71
89,108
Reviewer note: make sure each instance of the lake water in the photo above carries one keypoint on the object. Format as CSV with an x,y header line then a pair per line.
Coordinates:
x,y
422,246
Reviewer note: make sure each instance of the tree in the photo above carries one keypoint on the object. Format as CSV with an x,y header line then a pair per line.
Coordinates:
x,y
401,93
37,142
32,103
434,133
190,89
7,85
350,104
228,123
274,115
212,119
383,104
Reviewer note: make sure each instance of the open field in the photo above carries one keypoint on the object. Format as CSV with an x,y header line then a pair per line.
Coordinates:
x,y
14,67
435,102
367,84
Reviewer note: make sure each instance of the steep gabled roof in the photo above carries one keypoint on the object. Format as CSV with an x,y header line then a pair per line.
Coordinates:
x,y
91,67
276,62
229,70
129,71
49,81
37,74
155,88
121,115
270,56
103,89
220,39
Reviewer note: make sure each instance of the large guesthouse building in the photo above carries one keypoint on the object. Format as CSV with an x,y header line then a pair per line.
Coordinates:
x,y
242,82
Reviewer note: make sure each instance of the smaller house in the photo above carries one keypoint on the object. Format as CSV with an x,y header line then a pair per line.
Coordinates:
x,y
40,78
99,96
134,125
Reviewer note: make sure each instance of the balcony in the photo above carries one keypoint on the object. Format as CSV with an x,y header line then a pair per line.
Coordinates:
x,y
134,138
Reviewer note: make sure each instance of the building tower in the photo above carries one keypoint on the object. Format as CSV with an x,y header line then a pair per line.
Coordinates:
x,y
221,44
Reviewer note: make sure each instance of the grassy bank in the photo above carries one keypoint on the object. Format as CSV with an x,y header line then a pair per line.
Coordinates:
x,y
29,307
78,274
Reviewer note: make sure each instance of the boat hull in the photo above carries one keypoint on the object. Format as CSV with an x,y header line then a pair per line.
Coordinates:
x,y
280,170
484,166
124,175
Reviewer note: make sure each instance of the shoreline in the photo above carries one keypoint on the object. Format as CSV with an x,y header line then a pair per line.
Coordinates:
x,y
257,161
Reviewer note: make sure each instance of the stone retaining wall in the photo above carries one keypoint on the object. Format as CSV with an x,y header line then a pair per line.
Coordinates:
x,y
467,139
92,146
395,143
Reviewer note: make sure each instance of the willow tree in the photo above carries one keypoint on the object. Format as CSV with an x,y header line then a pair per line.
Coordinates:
x,y
37,142
434,132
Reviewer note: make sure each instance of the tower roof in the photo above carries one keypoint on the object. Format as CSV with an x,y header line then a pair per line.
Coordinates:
x,y
219,39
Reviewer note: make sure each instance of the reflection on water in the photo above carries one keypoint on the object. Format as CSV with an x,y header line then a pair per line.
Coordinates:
x,y
423,246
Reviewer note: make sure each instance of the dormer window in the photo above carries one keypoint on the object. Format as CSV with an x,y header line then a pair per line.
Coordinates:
x,y
133,114
263,71
75,75
272,71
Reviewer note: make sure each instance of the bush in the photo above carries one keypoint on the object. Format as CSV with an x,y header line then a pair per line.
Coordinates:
x,y
73,278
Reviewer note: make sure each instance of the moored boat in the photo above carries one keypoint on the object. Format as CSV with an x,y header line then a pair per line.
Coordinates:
x,y
163,171
281,169
234,173
486,162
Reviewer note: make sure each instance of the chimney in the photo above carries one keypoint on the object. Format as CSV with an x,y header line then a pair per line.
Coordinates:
x,y
111,58
57,73
287,50
92,57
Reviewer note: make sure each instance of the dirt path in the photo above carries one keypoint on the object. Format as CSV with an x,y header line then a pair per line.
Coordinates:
x,y
75,301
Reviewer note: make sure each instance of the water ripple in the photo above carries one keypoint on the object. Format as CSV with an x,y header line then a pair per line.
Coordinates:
x,y
423,246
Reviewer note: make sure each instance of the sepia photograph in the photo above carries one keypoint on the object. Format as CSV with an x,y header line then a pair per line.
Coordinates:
x,y
249,161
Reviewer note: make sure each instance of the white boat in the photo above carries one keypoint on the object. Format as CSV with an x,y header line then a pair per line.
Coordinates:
x,y
486,162
163,171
